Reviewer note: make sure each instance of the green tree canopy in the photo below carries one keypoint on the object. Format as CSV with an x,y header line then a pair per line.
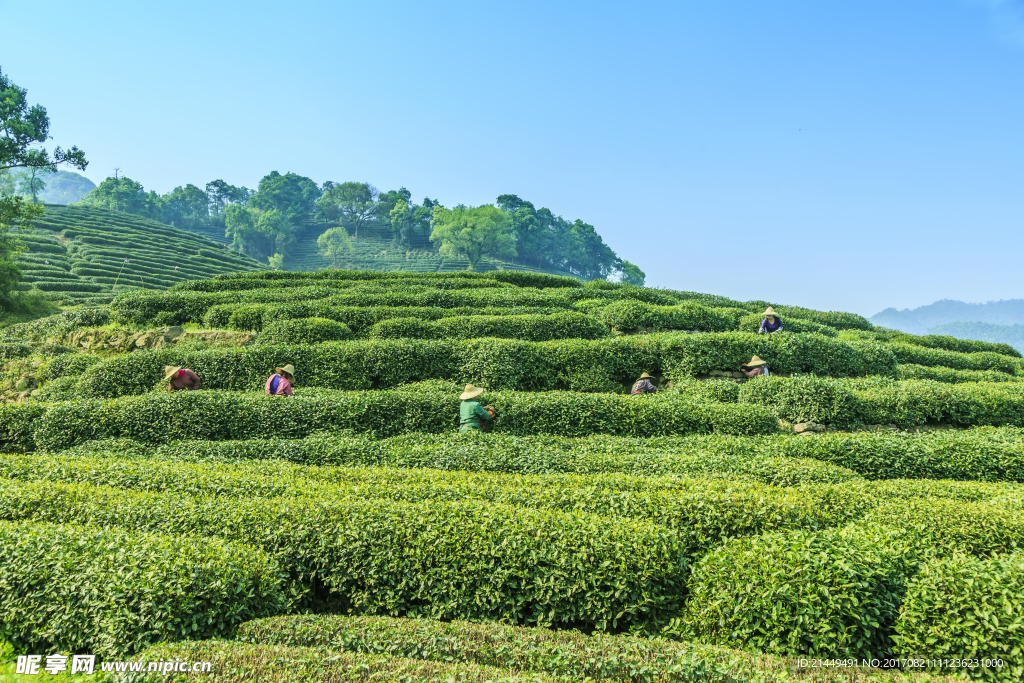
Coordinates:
x,y
186,207
473,232
293,196
66,187
22,127
333,244
353,204
259,234
630,274
124,194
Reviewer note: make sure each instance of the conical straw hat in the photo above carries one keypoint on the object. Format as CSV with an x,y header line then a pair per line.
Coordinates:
x,y
755,362
470,392
770,311
170,370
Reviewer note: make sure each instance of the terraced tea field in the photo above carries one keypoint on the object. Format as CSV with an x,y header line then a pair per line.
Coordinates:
x,y
349,532
81,255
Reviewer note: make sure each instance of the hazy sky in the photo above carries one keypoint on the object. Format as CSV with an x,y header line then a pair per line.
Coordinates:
x,y
850,156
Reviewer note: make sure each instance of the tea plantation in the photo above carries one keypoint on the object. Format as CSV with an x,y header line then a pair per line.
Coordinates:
x,y
862,504
78,254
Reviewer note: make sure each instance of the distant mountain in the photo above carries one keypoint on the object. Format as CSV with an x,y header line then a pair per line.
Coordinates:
x,y
65,187
1006,334
924,319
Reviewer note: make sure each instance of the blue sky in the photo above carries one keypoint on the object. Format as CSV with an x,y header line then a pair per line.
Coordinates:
x,y
847,156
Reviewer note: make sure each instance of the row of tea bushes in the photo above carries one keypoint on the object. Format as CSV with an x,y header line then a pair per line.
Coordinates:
x,y
111,591
603,365
566,654
254,317
951,376
985,360
735,458
281,664
220,415
754,591
435,559
702,513
933,341
846,403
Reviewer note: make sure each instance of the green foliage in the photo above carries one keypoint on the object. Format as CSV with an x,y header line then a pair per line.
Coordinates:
x,y
980,453
630,315
280,664
966,608
941,374
803,399
333,243
304,331
985,360
568,325
163,417
22,127
703,513
832,593
436,559
752,323
473,232
917,402
568,654
110,591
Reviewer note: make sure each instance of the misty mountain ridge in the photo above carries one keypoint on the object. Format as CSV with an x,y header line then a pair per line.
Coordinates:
x,y
923,319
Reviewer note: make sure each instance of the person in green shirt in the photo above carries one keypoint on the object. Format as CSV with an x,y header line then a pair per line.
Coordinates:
x,y
472,415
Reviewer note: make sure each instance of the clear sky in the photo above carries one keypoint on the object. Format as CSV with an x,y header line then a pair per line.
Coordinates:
x,y
849,156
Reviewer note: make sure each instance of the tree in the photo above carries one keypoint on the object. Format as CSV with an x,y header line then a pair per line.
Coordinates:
x,y
410,223
260,234
30,182
13,211
186,207
353,204
22,126
220,194
473,233
630,274
292,195
124,194
333,243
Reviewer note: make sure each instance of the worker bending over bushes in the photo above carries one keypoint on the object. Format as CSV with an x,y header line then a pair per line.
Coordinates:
x,y
755,367
472,415
643,386
771,324
280,383
181,378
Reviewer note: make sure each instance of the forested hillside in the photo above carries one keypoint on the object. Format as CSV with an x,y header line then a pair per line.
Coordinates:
x,y
291,222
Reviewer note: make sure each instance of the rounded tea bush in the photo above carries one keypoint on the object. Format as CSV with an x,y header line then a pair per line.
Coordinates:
x,y
304,331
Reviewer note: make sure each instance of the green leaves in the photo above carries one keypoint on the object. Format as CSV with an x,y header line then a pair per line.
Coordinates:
x,y
110,591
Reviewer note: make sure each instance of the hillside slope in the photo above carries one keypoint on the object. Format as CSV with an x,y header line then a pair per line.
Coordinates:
x,y
78,254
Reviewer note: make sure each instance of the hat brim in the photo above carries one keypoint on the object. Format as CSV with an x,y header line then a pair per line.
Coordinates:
x,y
466,395
171,373
755,365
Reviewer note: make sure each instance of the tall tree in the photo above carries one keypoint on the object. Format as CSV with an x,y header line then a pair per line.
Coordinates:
x,y
13,211
31,183
353,204
220,194
334,243
473,232
292,195
22,127
259,234
124,194
630,274
186,207
410,223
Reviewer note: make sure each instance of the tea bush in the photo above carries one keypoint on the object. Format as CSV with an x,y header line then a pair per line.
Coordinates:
x,y
304,331
436,559
110,591
966,608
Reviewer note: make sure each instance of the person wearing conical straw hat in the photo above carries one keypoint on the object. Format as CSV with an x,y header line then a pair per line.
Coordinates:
x,y
755,367
180,378
280,383
772,323
472,415
644,385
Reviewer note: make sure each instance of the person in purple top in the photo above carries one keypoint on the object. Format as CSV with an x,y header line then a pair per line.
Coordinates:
x,y
771,324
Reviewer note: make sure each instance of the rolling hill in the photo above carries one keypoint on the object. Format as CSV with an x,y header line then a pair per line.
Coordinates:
x,y
78,254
